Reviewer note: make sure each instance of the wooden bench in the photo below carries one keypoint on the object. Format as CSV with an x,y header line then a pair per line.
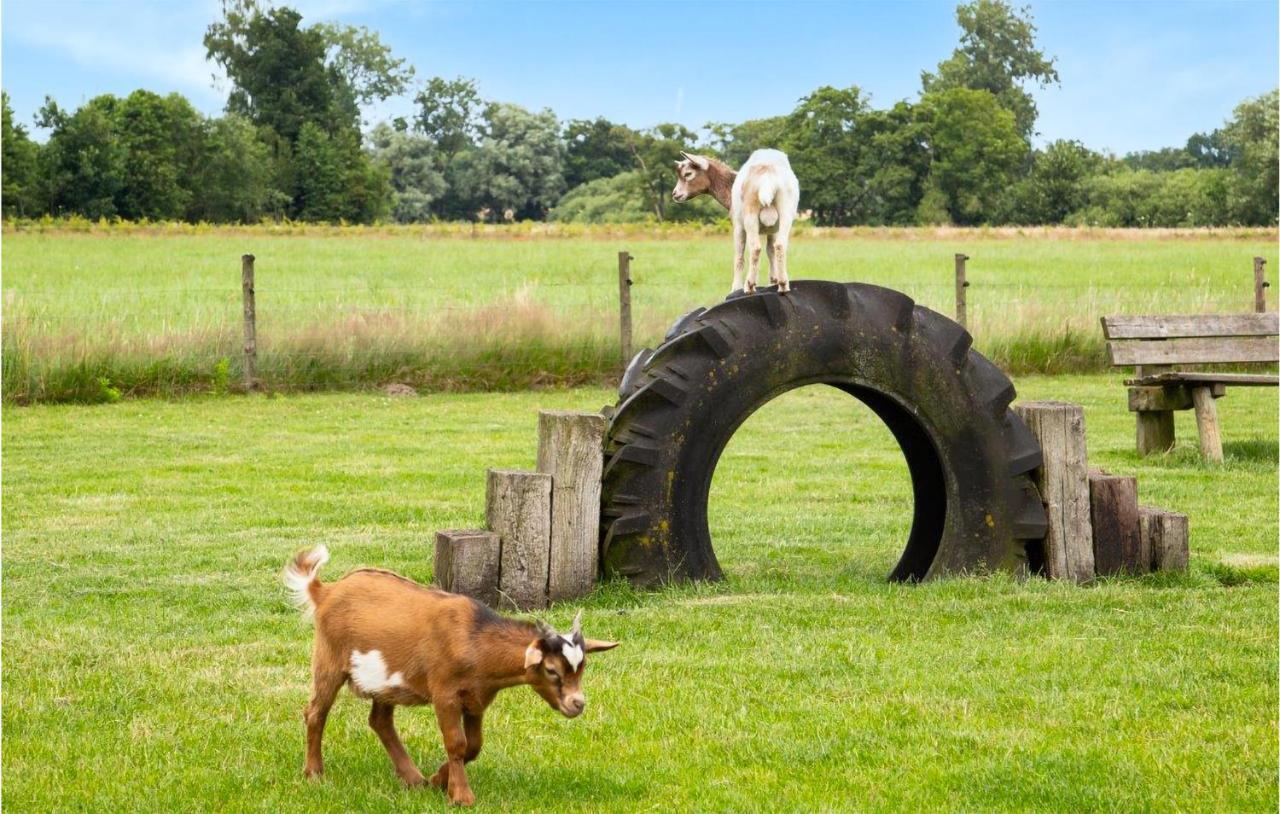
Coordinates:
x,y
1155,346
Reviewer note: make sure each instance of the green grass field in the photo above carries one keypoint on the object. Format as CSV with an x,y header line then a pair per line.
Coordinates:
x,y
153,665
138,311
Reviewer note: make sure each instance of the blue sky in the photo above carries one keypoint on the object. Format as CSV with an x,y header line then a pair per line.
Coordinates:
x,y
1135,75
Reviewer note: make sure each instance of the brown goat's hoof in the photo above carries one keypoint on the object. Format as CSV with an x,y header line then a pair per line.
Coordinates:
x,y
413,781
465,798
314,775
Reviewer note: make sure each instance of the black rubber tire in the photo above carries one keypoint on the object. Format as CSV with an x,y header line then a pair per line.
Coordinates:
x,y
947,406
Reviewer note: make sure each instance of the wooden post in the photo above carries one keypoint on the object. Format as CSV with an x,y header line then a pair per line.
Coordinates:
x,y
1155,431
518,510
571,451
1207,424
1260,284
1166,536
467,562
1063,481
961,285
250,324
624,304
1117,529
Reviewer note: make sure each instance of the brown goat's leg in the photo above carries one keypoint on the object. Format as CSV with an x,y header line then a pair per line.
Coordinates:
x,y
324,688
381,721
473,726
449,716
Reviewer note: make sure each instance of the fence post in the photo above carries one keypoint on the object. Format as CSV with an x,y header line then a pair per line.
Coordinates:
x,y
961,285
624,303
1260,284
250,324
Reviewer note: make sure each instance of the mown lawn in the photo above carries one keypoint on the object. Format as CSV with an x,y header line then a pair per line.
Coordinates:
x,y
142,313
152,663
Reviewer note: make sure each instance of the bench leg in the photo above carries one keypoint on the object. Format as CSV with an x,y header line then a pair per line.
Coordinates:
x,y
1207,423
1155,431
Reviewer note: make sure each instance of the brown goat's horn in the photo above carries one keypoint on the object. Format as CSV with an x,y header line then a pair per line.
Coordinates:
x,y
577,624
545,630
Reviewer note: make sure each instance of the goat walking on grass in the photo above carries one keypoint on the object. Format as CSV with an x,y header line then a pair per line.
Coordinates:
x,y
762,198
395,642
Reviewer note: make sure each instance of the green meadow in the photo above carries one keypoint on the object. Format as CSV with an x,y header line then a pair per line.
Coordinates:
x,y
152,663
99,313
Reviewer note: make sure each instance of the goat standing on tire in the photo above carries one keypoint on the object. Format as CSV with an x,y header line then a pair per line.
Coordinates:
x,y
395,642
762,198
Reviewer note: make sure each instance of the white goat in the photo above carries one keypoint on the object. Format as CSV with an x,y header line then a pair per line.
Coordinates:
x,y
762,199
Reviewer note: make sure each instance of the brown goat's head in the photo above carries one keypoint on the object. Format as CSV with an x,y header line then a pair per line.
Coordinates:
x,y
692,177
555,663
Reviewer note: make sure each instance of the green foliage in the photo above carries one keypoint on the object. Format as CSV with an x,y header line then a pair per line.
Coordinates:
x,y
997,54
82,166
411,164
621,199
220,381
163,150
518,167
335,180
18,166
596,149
234,179
1137,198
736,142
448,114
977,151
368,70
1251,139
1052,190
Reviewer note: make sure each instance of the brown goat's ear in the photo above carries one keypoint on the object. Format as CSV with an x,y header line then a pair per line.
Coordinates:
x,y
697,161
596,645
532,655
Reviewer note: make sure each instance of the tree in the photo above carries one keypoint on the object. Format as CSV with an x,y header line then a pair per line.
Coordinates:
x,y
335,180
83,163
736,142
409,160
447,114
518,165
233,182
1053,189
162,139
368,71
596,149
655,153
20,180
278,70
1250,139
976,151
997,54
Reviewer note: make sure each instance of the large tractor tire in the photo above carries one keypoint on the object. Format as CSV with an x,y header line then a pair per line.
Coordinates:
x,y
969,456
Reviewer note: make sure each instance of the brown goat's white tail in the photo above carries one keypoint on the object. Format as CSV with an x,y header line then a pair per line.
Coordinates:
x,y
302,577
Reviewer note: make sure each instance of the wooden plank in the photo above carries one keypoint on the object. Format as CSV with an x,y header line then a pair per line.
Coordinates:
x,y
1063,482
1223,379
1196,325
1166,535
1208,350
1167,397
1117,533
571,450
518,510
1207,424
467,562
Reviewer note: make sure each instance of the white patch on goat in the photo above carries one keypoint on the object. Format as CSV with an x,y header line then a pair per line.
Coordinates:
x,y
572,653
369,672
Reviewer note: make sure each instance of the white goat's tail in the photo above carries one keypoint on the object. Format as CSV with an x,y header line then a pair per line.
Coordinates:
x,y
302,577
766,190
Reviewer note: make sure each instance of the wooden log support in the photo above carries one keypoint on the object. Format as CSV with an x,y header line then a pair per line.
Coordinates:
x,y
1166,536
467,562
571,451
1260,285
1063,481
1155,431
1117,528
1207,424
518,510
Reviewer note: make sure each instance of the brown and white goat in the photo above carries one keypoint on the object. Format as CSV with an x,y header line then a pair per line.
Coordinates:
x,y
762,198
395,642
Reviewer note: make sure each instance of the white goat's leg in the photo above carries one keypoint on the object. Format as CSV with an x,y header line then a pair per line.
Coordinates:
x,y
768,251
753,258
779,249
739,242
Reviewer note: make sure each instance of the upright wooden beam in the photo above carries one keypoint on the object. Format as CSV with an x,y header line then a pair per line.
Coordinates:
x,y
571,450
250,323
1207,424
518,510
1117,529
1155,431
1166,535
962,310
467,562
624,304
1260,284
1063,481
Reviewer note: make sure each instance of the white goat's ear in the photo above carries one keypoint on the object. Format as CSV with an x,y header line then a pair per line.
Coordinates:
x,y
596,645
532,655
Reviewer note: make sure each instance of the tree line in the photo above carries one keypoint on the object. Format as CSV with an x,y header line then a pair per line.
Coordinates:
x,y
292,144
